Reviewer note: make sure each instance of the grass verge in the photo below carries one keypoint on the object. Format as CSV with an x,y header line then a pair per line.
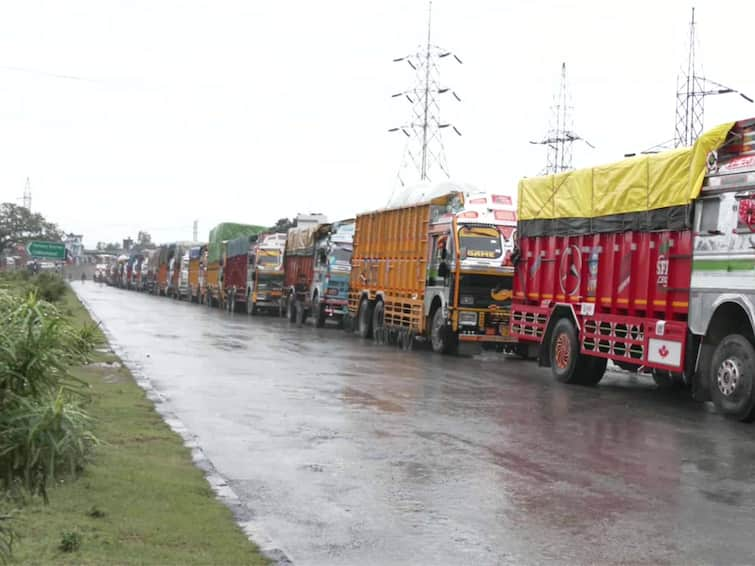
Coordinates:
x,y
141,500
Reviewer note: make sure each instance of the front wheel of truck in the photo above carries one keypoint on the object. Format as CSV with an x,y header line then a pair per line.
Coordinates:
x,y
318,312
442,337
731,378
291,309
364,319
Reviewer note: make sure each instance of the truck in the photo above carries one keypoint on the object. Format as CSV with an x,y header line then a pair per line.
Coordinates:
x,y
217,253
435,266
194,267
649,263
265,276
162,276
332,267
236,272
148,271
298,267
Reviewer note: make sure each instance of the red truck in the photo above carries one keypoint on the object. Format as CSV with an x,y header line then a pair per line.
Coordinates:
x,y
649,263
235,267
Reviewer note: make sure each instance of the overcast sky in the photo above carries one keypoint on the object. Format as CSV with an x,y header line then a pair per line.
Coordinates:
x,y
148,115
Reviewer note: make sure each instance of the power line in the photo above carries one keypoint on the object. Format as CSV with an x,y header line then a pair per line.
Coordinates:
x,y
560,138
692,88
424,153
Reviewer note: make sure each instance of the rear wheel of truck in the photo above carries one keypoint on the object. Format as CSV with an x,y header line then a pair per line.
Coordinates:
x,y
364,319
666,380
318,312
251,308
731,378
591,370
378,322
291,309
442,337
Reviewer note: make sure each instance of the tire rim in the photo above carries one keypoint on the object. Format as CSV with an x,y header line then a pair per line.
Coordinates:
x,y
562,351
728,376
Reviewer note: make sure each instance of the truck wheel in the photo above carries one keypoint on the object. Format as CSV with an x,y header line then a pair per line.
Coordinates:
x,y
731,378
232,303
442,338
251,308
364,319
564,349
318,312
291,309
378,322
590,370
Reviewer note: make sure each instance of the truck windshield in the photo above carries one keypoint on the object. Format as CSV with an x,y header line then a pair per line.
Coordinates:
x,y
480,242
268,259
340,258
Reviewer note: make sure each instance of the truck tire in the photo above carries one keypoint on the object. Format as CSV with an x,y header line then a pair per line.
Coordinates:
x,y
291,309
251,308
731,378
378,322
318,312
666,380
564,349
442,338
591,370
364,319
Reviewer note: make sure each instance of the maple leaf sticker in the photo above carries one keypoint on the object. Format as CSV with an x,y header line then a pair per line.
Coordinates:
x,y
663,351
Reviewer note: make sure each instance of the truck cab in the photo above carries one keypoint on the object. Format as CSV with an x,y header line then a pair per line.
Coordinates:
x,y
469,274
183,276
332,270
265,274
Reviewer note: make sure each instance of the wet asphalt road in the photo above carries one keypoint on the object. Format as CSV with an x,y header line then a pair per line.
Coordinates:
x,y
345,452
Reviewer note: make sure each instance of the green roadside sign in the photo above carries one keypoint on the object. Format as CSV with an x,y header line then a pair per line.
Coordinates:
x,y
47,250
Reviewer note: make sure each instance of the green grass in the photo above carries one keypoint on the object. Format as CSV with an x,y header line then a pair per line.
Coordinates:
x,y
140,501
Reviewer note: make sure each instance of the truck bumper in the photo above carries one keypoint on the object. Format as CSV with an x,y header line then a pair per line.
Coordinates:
x,y
336,307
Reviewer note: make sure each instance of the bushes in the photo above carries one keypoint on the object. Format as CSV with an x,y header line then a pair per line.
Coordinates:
x,y
44,431
46,285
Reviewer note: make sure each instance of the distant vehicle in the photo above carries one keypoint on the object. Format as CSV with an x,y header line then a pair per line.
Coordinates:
x,y
332,268
265,274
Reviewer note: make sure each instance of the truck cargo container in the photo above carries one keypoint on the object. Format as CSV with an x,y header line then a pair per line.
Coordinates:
x,y
265,276
216,256
434,266
330,285
648,262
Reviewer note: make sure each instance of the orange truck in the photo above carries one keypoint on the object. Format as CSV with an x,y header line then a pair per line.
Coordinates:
x,y
437,267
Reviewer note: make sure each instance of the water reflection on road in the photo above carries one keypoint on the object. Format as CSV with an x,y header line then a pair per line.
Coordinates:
x,y
349,453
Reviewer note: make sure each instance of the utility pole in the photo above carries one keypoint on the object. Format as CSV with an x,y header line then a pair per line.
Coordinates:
x,y
560,137
424,153
26,199
692,88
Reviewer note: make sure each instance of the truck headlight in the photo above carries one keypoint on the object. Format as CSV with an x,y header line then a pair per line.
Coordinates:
x,y
467,319
467,300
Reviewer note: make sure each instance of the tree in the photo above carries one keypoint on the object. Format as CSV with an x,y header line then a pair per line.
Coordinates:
x,y
18,225
283,225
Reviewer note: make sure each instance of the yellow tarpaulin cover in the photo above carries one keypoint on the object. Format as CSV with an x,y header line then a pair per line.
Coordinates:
x,y
646,182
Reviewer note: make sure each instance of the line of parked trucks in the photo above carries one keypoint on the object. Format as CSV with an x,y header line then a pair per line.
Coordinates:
x,y
648,263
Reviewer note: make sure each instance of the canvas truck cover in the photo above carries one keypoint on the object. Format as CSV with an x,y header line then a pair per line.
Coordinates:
x,y
301,241
238,246
227,231
647,192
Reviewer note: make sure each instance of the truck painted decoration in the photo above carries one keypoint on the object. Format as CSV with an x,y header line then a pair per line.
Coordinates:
x,y
650,263
439,268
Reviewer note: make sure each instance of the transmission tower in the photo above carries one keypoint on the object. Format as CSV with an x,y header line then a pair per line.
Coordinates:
x,y
26,200
692,88
424,153
560,137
